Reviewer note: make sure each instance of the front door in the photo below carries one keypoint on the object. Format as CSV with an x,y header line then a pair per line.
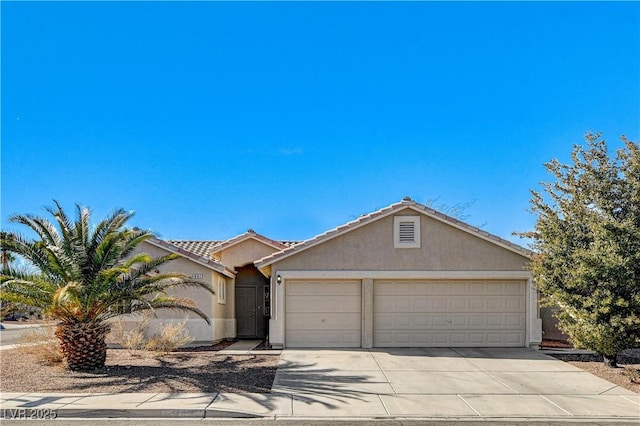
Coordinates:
x,y
246,315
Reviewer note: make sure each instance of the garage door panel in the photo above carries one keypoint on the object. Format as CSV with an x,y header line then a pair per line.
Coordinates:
x,y
474,303
478,321
314,321
448,339
323,313
513,338
319,288
514,304
323,303
439,304
439,321
514,321
456,313
323,339
442,287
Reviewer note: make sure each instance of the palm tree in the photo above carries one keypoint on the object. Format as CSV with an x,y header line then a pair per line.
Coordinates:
x,y
83,276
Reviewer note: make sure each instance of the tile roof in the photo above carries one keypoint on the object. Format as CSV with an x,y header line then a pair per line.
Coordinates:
x,y
367,218
201,248
250,234
205,248
202,260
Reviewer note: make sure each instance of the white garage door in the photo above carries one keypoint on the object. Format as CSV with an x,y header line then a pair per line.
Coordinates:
x,y
323,313
448,313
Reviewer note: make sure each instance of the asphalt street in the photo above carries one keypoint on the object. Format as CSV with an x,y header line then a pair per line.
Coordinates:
x,y
11,334
299,422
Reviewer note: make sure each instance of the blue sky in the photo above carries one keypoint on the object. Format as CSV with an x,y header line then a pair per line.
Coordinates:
x,y
292,118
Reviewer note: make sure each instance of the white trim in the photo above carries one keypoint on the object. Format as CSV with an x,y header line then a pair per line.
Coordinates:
x,y
534,323
397,221
407,275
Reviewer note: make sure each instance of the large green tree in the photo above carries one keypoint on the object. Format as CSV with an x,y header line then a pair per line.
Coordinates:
x,y
83,275
587,245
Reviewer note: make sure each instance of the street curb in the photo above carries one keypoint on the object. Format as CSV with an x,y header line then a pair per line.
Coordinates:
x,y
199,414
101,413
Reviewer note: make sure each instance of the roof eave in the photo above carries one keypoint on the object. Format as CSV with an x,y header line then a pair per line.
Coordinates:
x,y
380,214
208,263
244,237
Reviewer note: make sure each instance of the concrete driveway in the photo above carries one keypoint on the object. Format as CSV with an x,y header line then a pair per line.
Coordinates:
x,y
454,383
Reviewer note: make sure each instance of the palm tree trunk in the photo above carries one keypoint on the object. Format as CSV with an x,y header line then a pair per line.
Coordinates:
x,y
84,344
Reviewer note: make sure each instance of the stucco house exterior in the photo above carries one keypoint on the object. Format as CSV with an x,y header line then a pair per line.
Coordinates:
x,y
240,305
402,276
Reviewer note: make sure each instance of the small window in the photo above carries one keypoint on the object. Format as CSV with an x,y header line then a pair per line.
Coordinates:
x,y
222,291
406,232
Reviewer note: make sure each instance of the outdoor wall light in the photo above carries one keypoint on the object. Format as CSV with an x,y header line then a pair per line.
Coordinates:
x,y
279,279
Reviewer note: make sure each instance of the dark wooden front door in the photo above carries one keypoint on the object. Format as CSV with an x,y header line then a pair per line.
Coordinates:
x,y
252,302
246,315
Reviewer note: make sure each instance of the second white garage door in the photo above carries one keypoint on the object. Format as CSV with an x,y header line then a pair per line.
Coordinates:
x,y
449,313
323,313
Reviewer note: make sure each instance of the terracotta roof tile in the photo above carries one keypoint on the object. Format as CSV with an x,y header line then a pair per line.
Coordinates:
x,y
204,248
222,245
203,260
201,248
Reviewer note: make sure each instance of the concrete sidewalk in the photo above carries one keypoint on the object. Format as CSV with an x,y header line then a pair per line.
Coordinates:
x,y
290,406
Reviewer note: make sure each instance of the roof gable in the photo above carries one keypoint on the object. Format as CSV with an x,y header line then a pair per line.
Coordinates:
x,y
250,234
204,261
364,220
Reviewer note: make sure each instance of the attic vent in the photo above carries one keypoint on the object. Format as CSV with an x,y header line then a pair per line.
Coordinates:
x,y
406,231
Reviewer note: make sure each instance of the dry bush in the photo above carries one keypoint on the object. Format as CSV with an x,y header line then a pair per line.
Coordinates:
x,y
633,374
133,340
169,337
42,343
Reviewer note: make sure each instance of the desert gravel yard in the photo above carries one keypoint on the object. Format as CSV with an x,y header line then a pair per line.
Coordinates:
x,y
174,372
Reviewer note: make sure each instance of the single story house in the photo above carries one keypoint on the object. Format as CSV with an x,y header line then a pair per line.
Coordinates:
x,y
403,276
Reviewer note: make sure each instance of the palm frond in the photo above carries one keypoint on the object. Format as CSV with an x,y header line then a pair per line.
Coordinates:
x,y
82,225
84,274
170,303
45,229
26,288
113,223
133,239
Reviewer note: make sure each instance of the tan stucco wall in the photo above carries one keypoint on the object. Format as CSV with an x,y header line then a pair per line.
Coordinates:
x,y
222,316
443,248
245,252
